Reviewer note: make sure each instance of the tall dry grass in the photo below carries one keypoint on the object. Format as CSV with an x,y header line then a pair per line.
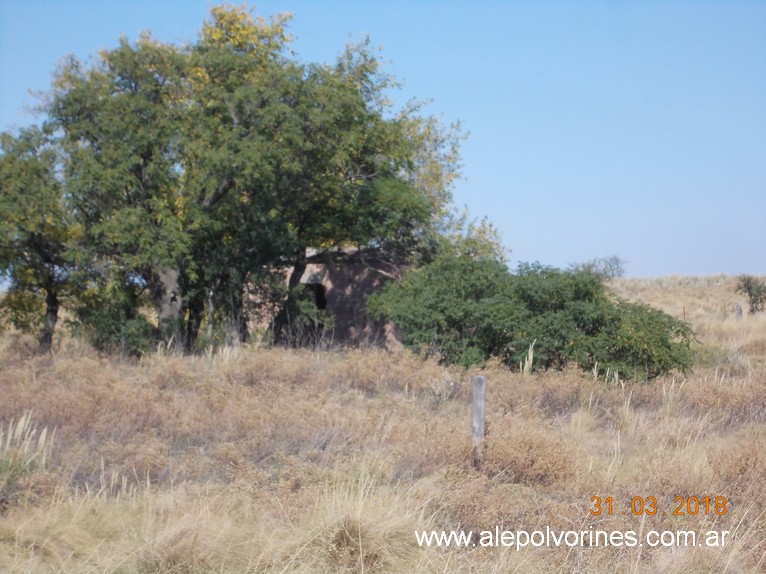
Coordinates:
x,y
270,460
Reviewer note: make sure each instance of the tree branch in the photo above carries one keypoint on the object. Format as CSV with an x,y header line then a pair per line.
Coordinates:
x,y
222,189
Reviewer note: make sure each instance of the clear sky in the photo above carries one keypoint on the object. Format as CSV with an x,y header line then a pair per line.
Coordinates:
x,y
595,128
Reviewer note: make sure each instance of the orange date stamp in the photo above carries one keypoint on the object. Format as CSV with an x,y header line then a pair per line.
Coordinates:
x,y
647,505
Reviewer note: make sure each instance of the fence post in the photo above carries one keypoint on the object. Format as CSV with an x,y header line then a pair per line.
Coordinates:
x,y
478,419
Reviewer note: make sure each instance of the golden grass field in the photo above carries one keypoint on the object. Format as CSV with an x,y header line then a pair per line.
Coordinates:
x,y
270,460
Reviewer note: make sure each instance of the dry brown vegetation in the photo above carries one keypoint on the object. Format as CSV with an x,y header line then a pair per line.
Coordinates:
x,y
270,460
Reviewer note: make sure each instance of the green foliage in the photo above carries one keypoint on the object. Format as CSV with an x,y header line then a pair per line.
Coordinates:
x,y
564,312
187,170
306,325
608,267
36,231
108,318
24,309
456,308
466,310
755,289
461,235
647,342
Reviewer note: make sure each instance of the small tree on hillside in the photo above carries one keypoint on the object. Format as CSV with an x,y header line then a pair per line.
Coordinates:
x,y
755,290
608,267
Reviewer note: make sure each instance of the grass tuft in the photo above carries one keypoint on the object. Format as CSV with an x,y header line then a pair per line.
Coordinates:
x,y
24,452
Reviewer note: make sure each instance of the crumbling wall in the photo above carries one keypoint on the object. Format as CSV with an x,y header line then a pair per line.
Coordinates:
x,y
340,288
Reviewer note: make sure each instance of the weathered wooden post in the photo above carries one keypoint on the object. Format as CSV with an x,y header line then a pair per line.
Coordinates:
x,y
478,419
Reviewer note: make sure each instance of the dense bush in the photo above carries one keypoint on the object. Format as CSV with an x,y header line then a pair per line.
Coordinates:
x,y
467,310
456,307
109,320
755,291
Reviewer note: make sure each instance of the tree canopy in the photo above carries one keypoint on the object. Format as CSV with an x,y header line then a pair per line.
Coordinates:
x,y
187,170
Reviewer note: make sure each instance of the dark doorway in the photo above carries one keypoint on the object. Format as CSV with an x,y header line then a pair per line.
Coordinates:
x,y
319,294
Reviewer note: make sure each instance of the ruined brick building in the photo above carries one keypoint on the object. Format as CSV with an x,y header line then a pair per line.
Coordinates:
x,y
339,284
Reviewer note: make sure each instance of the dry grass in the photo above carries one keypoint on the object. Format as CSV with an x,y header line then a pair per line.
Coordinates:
x,y
268,460
708,303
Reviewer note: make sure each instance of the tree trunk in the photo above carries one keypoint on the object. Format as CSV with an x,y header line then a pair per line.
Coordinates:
x,y
51,318
237,310
282,320
167,296
211,311
193,311
299,268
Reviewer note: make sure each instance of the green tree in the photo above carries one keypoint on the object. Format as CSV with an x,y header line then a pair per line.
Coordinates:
x,y
121,126
608,267
755,290
192,169
35,229
310,158
240,83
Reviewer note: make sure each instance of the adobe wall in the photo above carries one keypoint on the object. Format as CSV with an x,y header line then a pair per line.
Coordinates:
x,y
345,286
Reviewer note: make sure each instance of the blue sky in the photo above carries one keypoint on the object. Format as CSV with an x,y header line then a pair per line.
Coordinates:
x,y
595,128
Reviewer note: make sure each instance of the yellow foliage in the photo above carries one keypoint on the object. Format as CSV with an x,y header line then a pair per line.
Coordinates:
x,y
237,29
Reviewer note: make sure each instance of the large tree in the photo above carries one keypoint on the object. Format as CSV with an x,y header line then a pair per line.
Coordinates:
x,y
121,127
191,168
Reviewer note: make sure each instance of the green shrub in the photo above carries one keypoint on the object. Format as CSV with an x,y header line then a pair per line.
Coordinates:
x,y
23,309
466,310
304,324
644,341
755,290
111,322
456,308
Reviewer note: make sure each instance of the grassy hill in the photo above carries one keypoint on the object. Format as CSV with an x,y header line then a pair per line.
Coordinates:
x,y
270,460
